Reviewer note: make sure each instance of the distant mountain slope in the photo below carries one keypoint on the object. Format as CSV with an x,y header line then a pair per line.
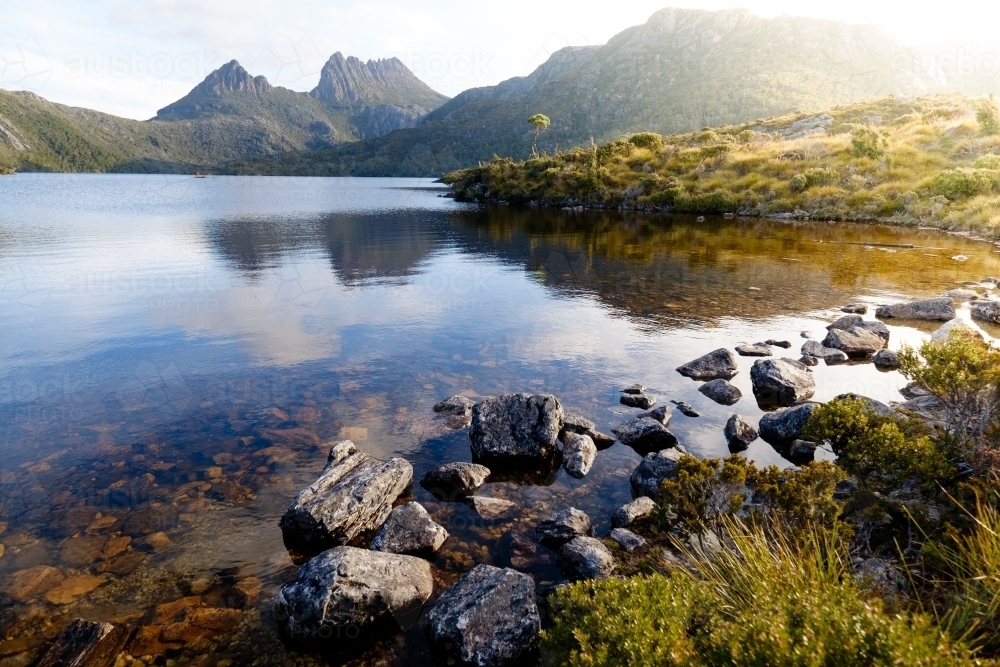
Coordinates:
x,y
681,70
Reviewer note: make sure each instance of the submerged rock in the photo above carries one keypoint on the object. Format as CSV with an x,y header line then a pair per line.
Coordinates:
x,y
516,426
454,481
86,644
781,381
645,434
491,509
489,618
721,392
941,309
753,350
718,364
739,433
784,426
561,527
638,508
628,540
585,558
579,452
354,493
686,409
655,468
856,343
347,589
642,401
409,530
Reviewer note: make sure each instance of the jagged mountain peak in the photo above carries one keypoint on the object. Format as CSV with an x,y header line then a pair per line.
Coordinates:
x,y
349,81
230,78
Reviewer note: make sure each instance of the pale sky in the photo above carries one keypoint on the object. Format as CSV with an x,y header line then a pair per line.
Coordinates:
x,y
132,57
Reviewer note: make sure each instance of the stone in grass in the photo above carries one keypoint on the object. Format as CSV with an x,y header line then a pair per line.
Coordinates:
x,y
642,401
630,512
653,469
585,558
753,350
721,392
516,427
781,381
628,540
579,452
561,527
718,364
489,618
739,433
453,481
409,530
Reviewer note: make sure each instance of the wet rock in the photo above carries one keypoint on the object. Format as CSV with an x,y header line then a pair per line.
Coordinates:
x,y
835,357
158,541
813,348
644,435
986,311
634,389
353,494
628,540
125,564
26,585
642,401
856,343
579,452
456,405
489,618
561,527
199,622
655,468
886,360
585,558
352,588
941,309
638,508
784,344
753,350
297,437
855,308
877,328
72,588
781,381
801,451
662,414
809,360
409,530
453,481
739,433
573,423
516,426
721,392
151,520
782,427
86,644
846,322
82,550
718,364
686,409
521,552
146,641
491,509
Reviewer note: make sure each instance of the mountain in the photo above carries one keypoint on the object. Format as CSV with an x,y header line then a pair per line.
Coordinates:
x,y
681,70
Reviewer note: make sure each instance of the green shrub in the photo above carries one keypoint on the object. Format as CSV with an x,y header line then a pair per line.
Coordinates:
x,y
650,140
868,143
987,162
986,115
719,201
810,178
960,183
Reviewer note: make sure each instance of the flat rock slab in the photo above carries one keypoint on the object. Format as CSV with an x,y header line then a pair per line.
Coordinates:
x,y
86,644
561,527
739,433
409,530
492,509
642,401
856,343
782,427
645,434
516,426
579,452
454,481
585,558
353,494
781,381
721,392
630,512
626,539
986,311
941,309
753,350
347,588
718,364
489,618
655,468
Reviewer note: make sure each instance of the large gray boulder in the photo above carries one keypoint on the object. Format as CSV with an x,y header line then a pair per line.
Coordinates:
x,y
941,309
739,433
718,364
856,343
638,508
986,311
409,530
559,528
585,558
488,618
579,452
782,427
781,381
644,435
353,494
516,426
454,481
348,589
656,467
721,392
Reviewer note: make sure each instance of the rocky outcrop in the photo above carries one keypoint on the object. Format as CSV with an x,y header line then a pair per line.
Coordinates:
x,y
515,427
561,527
454,481
782,427
856,343
718,364
644,435
585,558
941,309
409,530
739,433
347,588
638,508
489,618
655,468
349,82
721,392
579,452
353,494
781,381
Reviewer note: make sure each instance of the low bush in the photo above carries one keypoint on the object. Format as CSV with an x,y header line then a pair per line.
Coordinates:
x,y
963,183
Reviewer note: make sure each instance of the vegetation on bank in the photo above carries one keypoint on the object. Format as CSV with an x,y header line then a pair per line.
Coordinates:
x,y
928,161
890,556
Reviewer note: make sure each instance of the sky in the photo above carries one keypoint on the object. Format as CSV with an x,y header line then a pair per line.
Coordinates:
x,y
132,57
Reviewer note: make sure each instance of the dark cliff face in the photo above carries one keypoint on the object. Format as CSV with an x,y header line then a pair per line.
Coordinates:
x,y
352,82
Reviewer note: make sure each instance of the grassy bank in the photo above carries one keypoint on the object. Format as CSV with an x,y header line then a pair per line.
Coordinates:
x,y
931,161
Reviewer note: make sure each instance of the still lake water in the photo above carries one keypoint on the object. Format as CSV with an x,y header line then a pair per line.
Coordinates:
x,y
174,350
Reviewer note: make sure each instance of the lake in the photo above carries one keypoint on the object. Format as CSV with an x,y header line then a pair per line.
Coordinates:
x,y
176,352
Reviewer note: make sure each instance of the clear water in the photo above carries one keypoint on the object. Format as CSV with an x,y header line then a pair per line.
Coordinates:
x,y
173,350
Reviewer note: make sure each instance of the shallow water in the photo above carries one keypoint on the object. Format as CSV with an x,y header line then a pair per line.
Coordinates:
x,y
174,350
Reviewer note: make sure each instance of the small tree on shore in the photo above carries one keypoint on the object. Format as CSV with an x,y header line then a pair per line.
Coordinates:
x,y
539,122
